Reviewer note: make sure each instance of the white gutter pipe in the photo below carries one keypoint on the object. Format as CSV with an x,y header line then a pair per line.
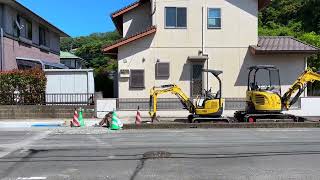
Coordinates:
x,y
203,46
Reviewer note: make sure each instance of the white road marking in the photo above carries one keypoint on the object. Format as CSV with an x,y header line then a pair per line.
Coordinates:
x,y
31,178
283,130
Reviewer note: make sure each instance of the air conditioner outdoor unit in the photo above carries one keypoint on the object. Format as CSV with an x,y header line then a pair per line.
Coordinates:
x,y
124,73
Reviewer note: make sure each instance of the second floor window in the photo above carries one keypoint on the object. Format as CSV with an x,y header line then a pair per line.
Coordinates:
x,y
214,18
43,36
25,29
175,17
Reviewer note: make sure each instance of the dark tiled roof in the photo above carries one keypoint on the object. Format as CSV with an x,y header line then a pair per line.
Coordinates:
x,y
282,45
111,47
127,8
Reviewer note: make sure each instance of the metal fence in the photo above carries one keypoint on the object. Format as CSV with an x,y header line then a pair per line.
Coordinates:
x,y
47,99
175,104
70,99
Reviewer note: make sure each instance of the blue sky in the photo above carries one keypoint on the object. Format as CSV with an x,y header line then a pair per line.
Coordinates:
x,y
77,17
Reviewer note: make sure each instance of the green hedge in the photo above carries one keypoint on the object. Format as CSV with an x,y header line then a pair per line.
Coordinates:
x,y
22,87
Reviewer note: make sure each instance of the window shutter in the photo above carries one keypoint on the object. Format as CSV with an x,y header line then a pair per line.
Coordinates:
x,y
163,69
137,79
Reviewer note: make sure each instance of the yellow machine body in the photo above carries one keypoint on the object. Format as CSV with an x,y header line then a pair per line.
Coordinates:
x,y
206,106
211,107
263,101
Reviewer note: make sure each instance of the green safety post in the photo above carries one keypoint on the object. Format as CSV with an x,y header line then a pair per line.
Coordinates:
x,y
114,122
82,124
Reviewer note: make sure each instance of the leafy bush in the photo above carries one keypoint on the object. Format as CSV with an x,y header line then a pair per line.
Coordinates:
x,y
22,87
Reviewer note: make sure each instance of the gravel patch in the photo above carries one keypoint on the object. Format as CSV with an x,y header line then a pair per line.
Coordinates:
x,y
85,130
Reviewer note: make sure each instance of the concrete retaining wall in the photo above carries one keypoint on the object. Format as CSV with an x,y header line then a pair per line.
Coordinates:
x,y
45,112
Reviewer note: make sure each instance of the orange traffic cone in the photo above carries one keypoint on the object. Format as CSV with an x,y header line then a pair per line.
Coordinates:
x,y
75,121
138,117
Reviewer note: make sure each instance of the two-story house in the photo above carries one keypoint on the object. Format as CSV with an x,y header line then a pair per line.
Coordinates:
x,y
168,42
27,40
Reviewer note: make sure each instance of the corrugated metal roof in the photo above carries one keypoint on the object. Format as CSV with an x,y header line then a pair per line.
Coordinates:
x,y
282,45
67,55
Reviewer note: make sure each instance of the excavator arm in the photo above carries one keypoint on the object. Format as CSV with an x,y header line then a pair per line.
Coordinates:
x,y
173,89
298,87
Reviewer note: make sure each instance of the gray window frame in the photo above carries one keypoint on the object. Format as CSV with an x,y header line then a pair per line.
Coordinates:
x,y
158,75
131,86
28,29
174,27
208,11
46,36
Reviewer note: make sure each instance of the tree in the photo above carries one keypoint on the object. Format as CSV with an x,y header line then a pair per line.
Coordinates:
x,y
298,18
89,48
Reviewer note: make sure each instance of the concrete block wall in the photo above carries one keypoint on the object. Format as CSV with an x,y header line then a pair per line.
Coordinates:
x,y
42,112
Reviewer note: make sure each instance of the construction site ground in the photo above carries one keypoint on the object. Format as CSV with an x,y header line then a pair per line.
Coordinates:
x,y
96,153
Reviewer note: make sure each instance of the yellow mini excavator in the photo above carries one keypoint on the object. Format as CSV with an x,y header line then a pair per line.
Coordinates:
x,y
208,107
264,102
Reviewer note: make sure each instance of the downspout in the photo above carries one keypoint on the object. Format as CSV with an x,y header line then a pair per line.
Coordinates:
x,y
2,50
202,34
203,48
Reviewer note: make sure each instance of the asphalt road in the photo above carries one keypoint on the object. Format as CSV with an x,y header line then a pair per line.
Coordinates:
x,y
160,154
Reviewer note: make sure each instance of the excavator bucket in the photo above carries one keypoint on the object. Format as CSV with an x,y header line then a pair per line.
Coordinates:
x,y
151,104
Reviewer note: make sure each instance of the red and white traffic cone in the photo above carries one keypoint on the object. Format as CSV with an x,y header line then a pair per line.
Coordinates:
x,y
138,117
75,120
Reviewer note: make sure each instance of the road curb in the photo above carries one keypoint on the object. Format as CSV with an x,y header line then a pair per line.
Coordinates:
x,y
220,126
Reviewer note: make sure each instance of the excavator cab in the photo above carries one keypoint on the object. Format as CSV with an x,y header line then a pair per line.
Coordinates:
x,y
263,99
210,104
264,89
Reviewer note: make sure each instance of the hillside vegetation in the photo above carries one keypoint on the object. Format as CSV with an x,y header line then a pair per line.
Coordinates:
x,y
89,48
298,18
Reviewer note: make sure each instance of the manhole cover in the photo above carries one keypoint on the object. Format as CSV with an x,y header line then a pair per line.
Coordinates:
x,y
156,155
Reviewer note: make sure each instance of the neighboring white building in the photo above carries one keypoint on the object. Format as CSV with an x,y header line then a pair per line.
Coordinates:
x,y
168,42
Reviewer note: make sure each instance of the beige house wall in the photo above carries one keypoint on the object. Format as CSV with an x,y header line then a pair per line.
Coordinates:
x,y
227,49
239,24
137,20
234,63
